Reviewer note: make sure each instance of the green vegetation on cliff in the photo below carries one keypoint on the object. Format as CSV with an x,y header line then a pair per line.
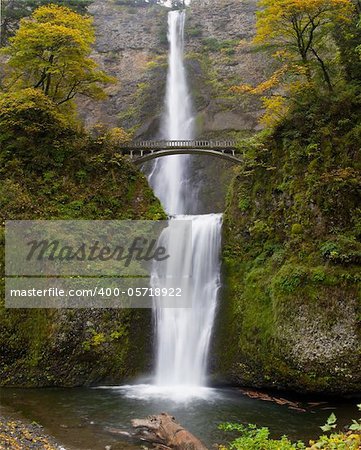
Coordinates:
x,y
68,174
52,169
64,173
14,10
293,244
292,254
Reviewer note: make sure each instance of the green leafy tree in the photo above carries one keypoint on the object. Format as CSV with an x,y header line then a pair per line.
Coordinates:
x,y
11,12
14,10
50,52
77,5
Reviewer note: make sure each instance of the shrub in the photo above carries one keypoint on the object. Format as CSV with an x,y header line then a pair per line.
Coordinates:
x,y
29,119
253,438
296,228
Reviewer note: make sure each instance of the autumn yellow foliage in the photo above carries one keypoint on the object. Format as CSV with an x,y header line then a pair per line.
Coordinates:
x,y
50,52
271,83
284,21
299,30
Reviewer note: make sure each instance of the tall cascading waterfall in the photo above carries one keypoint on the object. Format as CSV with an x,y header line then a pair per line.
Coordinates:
x,y
169,177
183,334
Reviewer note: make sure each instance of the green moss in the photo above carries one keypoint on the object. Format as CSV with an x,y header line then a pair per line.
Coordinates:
x,y
243,204
213,45
292,258
145,103
296,228
73,347
195,31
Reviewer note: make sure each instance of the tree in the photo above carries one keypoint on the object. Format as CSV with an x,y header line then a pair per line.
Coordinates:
x,y
14,10
30,122
50,52
77,5
33,128
302,28
11,13
348,38
301,35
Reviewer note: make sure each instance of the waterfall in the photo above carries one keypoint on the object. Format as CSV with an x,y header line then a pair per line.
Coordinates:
x,y
183,334
169,177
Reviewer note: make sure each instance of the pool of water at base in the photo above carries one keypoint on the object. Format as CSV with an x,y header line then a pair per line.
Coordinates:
x,y
85,418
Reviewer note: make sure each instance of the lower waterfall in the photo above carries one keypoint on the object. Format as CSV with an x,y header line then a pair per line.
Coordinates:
x,y
183,334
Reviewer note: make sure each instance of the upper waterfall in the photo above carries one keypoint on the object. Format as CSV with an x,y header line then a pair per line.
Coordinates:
x,y
168,178
178,119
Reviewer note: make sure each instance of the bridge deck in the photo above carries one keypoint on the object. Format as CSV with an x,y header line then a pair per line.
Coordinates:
x,y
193,144
142,151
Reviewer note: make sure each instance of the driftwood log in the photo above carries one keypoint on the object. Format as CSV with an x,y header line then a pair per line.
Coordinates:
x,y
279,400
164,433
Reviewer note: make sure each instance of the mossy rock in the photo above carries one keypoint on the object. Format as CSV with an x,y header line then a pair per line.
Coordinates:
x,y
45,347
290,317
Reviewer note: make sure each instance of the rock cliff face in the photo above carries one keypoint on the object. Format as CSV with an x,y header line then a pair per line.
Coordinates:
x,y
219,35
128,41
132,46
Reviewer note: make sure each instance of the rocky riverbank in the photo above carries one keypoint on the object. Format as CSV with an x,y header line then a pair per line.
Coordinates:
x,y
18,434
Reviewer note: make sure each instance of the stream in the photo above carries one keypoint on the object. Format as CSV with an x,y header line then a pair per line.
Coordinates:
x,y
80,418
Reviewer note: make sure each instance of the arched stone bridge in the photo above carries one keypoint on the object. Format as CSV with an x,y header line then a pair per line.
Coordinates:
x,y
143,151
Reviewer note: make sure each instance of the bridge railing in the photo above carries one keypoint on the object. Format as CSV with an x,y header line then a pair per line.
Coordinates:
x,y
146,150
165,144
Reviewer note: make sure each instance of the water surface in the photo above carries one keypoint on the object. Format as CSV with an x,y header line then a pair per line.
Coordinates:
x,y
81,418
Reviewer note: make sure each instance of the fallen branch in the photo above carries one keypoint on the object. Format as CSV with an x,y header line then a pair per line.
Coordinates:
x,y
267,398
164,433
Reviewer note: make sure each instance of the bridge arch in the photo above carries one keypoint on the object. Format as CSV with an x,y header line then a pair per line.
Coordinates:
x,y
161,153
143,151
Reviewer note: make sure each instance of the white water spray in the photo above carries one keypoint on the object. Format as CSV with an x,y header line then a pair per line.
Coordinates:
x,y
183,334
